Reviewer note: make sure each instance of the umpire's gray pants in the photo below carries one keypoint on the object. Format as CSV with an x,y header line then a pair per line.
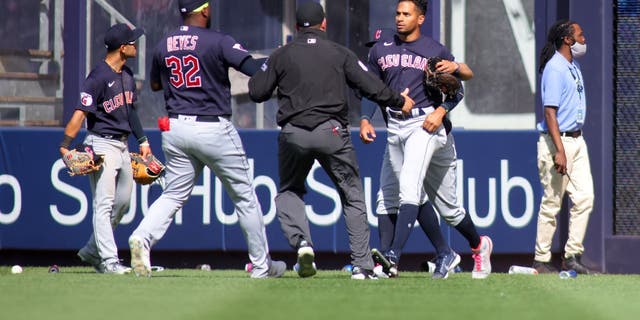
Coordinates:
x,y
330,144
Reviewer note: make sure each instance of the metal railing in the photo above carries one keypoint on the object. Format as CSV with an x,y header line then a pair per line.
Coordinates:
x,y
45,45
116,17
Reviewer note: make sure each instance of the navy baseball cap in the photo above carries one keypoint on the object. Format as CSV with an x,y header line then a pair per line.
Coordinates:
x,y
309,14
380,34
120,34
188,6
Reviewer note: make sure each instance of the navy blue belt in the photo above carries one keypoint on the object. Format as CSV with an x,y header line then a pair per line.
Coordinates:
x,y
199,118
415,112
120,137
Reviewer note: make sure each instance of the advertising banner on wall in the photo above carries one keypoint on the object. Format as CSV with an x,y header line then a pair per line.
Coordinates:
x,y
42,207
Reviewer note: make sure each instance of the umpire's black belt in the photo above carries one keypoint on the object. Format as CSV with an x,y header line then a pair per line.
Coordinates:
x,y
572,134
415,112
119,137
198,118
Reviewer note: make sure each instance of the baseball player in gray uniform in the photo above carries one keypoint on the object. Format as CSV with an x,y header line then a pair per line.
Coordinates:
x,y
388,199
421,150
107,102
191,65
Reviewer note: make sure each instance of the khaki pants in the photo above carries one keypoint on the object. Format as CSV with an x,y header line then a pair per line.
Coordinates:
x,y
578,183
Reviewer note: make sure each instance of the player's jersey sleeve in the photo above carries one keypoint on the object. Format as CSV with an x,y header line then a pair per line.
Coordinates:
x,y
451,102
154,74
372,63
263,82
233,52
89,95
447,55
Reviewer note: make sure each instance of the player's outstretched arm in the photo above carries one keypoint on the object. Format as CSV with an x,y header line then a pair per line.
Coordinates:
x,y
264,81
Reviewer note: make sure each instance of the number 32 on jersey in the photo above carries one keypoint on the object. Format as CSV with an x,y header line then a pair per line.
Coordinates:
x,y
185,71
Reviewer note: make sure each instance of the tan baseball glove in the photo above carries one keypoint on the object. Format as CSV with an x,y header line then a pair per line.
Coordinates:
x,y
82,160
145,172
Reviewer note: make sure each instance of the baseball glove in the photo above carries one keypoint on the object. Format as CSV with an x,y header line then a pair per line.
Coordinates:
x,y
82,160
145,172
447,85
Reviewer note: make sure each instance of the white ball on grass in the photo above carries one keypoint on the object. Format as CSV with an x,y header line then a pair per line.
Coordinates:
x,y
16,269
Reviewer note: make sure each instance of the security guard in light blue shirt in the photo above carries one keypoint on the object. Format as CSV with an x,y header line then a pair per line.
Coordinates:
x,y
563,87
563,159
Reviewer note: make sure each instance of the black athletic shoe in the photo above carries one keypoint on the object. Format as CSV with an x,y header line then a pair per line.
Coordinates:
x,y
362,274
544,267
575,263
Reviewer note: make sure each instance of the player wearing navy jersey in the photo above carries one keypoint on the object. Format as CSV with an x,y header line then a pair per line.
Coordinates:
x,y
387,197
107,101
421,151
191,65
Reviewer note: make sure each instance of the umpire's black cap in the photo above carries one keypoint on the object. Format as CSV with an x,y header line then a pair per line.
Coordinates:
x,y
309,14
380,34
188,6
120,34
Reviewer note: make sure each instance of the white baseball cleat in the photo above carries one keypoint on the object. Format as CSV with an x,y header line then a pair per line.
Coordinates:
x,y
114,268
482,258
306,266
140,260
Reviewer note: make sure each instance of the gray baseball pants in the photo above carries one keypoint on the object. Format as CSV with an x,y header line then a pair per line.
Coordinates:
x,y
111,188
188,147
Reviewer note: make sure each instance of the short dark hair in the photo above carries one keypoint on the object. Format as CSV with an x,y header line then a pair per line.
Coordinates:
x,y
420,4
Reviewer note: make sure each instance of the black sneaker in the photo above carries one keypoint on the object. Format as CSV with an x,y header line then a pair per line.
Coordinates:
x,y
575,263
388,261
444,264
544,267
362,274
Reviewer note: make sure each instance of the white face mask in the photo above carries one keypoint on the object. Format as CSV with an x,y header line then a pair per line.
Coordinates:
x,y
578,49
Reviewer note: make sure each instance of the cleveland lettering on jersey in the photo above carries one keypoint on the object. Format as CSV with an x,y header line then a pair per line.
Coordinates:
x,y
117,101
403,60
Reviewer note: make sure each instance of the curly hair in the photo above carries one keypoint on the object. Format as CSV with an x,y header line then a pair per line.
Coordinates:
x,y
555,37
420,4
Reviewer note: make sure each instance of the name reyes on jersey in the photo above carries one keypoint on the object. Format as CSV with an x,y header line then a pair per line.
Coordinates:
x,y
403,60
182,42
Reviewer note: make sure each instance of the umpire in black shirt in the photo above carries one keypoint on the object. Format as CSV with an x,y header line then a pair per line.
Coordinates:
x,y
312,75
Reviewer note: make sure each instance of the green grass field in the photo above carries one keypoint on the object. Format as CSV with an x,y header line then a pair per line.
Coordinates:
x,y
79,293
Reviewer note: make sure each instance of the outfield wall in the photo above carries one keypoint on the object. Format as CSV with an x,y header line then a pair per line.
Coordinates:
x,y
42,207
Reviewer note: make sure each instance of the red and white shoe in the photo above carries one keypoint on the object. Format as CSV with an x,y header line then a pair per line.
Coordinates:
x,y
482,258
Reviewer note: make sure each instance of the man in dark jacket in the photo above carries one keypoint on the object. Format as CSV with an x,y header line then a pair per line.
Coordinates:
x,y
312,75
